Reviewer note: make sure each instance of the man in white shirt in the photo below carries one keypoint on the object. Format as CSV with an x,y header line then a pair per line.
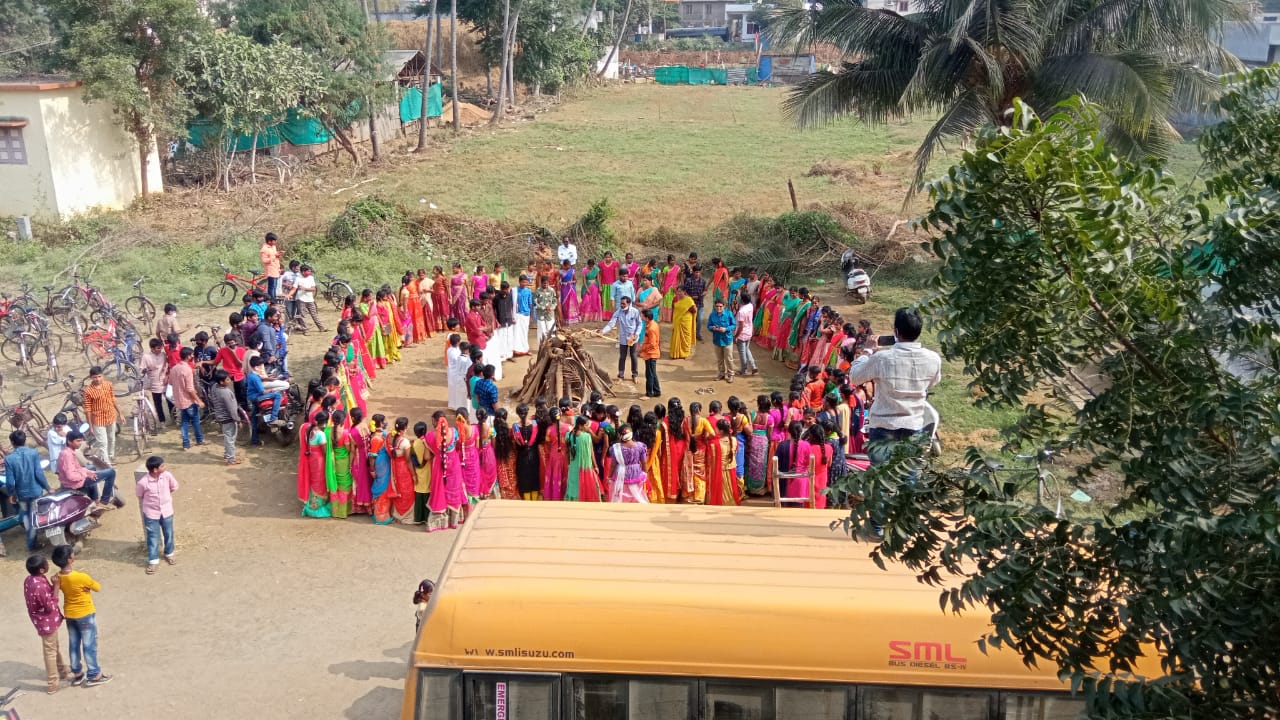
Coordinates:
x,y
567,251
742,339
903,373
306,295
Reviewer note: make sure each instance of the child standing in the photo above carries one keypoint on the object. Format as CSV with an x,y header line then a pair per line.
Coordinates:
x,y
422,598
42,607
82,626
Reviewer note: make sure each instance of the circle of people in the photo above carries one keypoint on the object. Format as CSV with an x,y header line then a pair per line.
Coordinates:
x,y
433,471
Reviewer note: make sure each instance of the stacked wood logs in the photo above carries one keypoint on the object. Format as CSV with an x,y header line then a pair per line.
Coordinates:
x,y
563,368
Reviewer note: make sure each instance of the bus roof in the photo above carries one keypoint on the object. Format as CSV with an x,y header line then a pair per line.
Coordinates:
x,y
740,592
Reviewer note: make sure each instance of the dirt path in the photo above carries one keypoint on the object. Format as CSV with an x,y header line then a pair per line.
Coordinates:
x,y
268,614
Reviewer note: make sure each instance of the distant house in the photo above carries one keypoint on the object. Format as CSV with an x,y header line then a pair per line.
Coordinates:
x,y
1256,43
901,7
735,17
60,156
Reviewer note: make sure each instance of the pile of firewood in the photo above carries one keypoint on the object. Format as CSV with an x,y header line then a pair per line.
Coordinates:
x,y
563,368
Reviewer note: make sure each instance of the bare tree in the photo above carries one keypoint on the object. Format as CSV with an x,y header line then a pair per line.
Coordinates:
x,y
453,61
426,81
622,29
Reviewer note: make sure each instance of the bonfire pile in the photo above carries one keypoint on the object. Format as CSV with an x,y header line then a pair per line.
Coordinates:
x,y
564,368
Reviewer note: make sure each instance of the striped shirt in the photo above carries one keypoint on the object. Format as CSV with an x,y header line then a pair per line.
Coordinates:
x,y
100,403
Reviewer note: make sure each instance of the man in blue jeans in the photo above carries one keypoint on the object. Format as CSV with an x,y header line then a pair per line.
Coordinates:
x,y
903,374
24,480
74,475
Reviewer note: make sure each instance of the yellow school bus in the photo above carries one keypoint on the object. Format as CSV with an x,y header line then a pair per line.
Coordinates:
x,y
577,611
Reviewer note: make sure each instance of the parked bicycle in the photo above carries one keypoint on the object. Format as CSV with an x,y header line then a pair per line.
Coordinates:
x,y
27,417
139,307
334,289
232,287
118,350
81,294
23,347
143,422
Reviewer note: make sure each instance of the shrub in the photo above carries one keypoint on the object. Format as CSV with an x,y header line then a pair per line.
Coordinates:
x,y
370,220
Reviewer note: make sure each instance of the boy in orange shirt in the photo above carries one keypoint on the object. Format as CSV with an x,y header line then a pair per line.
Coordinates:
x,y
650,349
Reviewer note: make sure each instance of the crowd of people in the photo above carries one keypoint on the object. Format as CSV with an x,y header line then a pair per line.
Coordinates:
x,y
433,471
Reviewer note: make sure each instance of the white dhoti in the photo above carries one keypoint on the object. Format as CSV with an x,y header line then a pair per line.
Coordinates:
x,y
521,334
545,329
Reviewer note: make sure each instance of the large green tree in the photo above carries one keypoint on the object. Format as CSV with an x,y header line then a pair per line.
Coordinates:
x,y
1135,327
244,88
337,34
965,61
26,38
128,53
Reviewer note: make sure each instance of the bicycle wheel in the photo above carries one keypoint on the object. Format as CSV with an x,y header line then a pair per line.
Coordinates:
x,y
139,435
17,350
52,346
141,309
338,292
223,294
127,381
70,296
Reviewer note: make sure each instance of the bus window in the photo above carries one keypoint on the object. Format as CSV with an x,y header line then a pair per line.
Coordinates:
x,y
507,697
816,703
599,699
439,695
907,704
738,702
659,700
1043,707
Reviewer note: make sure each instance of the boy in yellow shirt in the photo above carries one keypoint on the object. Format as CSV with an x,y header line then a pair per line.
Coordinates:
x,y
79,612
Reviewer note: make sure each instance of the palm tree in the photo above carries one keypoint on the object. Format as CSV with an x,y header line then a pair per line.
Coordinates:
x,y
966,60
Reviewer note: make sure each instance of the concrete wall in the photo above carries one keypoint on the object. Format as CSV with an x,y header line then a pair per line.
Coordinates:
x,y
28,189
79,158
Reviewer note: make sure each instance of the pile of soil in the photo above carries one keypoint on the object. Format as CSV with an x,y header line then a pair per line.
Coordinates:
x,y
468,115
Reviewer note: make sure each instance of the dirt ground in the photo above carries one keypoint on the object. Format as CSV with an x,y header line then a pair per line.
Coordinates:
x,y
268,614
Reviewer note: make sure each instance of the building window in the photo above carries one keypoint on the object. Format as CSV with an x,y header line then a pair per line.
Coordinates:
x,y
904,6
12,150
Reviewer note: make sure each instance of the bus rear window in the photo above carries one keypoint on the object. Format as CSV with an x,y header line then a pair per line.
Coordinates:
x,y
909,704
1043,707
511,698
439,695
630,699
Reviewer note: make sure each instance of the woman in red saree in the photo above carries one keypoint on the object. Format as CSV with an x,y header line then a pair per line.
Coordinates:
x,y
398,446
553,457
720,283
722,476
440,298
676,470
504,454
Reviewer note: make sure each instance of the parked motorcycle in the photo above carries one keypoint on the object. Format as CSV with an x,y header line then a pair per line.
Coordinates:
x,y
66,517
857,283
283,427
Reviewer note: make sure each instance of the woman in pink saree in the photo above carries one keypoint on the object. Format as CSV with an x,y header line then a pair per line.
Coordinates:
x,y
447,496
458,292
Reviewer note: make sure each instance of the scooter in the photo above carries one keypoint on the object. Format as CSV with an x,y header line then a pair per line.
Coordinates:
x,y
857,283
66,517
283,427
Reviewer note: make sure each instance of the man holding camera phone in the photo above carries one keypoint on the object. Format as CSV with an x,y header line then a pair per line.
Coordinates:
x,y
903,373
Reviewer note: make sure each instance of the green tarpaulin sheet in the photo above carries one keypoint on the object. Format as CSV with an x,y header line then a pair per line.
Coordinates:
x,y
294,129
671,75
411,103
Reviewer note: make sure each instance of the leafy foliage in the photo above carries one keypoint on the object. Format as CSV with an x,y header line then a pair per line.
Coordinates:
x,y
801,243
129,53
244,87
965,61
591,232
366,222
337,36
1071,287
26,38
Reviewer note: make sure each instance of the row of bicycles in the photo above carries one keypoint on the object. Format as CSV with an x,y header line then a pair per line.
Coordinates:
x,y
32,329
